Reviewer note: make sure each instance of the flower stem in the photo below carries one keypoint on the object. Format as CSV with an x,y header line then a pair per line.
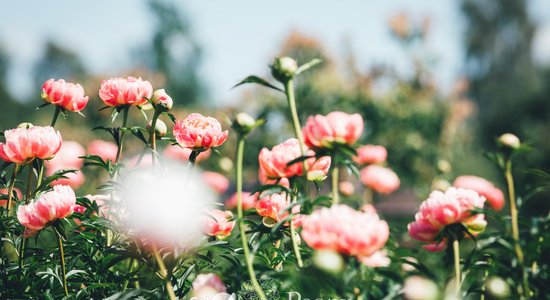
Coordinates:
x,y
152,134
249,260
55,115
515,227
335,196
122,134
289,91
62,261
164,273
11,187
295,244
456,254
193,157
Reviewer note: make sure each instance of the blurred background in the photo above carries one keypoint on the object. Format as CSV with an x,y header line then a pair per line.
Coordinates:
x,y
436,81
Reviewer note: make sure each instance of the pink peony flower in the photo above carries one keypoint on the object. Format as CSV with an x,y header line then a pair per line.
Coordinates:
x,y
129,91
485,188
335,128
274,162
371,154
216,181
345,230
346,188
249,201
176,152
25,144
53,205
67,95
199,133
4,193
105,150
380,179
274,208
444,209
262,177
218,223
206,286
68,157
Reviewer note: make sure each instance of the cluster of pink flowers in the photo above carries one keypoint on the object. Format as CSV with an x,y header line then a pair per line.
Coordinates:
x,y
442,209
199,133
67,158
274,162
67,95
345,230
485,188
25,144
56,204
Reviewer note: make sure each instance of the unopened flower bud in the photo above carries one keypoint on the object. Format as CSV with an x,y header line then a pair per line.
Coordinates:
x,y
509,140
160,127
328,261
420,288
25,125
245,120
161,99
497,288
284,68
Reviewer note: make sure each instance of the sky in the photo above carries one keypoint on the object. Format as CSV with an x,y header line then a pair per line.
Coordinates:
x,y
238,37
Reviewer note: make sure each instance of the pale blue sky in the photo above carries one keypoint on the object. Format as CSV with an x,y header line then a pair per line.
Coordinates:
x,y
238,37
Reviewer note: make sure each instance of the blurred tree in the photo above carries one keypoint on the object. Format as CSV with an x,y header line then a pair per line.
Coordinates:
x,y
174,52
16,110
59,63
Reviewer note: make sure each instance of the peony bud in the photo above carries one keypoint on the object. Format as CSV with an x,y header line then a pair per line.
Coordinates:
x,y
244,123
284,68
497,288
328,261
509,141
162,100
160,127
419,288
25,125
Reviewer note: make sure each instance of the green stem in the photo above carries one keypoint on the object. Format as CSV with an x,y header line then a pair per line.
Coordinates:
x,y
515,226
295,246
29,187
40,174
11,187
55,115
62,261
164,273
249,260
152,134
335,181
289,91
193,157
122,134
456,254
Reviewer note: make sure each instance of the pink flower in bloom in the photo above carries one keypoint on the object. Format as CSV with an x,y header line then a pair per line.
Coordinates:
x,y
262,177
380,179
216,181
371,154
25,144
345,230
249,201
274,162
219,223
53,205
129,91
274,208
105,150
208,285
199,133
335,128
346,188
68,156
485,188
67,95
176,152
443,209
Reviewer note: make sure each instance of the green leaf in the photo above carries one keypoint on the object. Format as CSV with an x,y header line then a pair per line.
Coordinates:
x,y
312,63
258,80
